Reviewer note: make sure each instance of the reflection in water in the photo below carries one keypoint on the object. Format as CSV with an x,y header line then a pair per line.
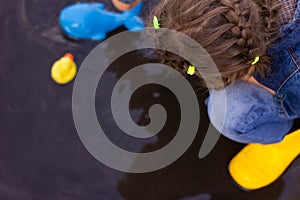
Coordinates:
x,y
189,177
41,155
291,189
41,21
198,197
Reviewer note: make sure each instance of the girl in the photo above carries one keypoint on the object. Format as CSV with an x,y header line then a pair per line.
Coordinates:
x,y
255,45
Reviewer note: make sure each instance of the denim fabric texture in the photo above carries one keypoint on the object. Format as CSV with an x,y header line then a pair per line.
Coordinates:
x,y
254,115
284,78
251,114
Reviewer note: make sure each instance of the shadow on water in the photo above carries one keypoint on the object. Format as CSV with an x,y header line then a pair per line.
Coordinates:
x,y
41,154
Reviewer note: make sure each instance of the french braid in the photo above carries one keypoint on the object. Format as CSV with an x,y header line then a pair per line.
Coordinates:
x,y
233,32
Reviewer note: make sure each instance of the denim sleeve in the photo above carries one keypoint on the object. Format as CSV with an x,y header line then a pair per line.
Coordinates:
x,y
251,114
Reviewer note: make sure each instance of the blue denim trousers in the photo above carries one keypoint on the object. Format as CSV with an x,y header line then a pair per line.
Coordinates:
x,y
253,115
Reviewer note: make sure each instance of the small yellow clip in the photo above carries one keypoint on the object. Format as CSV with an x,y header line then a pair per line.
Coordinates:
x,y
256,59
191,70
156,23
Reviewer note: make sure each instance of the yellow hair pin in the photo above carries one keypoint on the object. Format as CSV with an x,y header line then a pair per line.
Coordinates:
x,y
256,59
191,70
156,23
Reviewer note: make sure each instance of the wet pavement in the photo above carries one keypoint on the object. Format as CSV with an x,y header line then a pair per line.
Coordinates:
x,y
41,155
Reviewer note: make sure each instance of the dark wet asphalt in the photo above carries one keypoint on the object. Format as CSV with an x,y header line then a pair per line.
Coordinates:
x,y
41,155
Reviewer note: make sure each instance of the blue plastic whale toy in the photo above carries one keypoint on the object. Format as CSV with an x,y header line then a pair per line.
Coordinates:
x,y
91,21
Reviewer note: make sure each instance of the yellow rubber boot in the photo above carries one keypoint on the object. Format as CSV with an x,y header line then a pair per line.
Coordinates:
x,y
259,165
64,70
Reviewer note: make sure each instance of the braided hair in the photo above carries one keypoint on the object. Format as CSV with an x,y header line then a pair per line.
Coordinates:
x,y
233,32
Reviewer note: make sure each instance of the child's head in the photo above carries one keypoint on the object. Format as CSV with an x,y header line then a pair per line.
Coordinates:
x,y
233,32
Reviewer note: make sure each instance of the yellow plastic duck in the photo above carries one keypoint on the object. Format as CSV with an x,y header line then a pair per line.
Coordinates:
x,y
64,70
259,165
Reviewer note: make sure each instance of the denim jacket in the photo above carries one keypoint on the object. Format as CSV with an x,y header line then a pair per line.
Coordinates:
x,y
284,78
254,115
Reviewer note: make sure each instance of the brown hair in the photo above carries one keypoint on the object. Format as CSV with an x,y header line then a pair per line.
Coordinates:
x,y
233,32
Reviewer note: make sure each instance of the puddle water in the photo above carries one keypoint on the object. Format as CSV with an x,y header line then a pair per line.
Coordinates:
x,y
41,154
